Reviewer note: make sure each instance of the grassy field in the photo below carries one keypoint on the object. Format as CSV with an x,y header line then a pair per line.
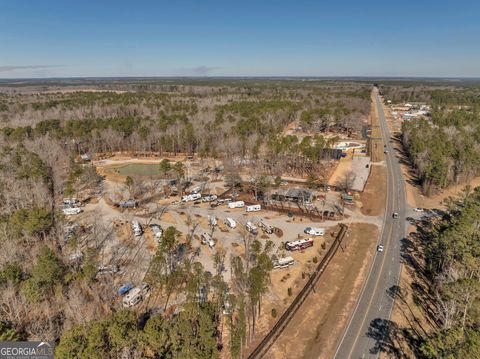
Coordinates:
x,y
137,169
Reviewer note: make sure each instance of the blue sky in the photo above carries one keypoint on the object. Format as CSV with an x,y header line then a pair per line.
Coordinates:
x,y
45,38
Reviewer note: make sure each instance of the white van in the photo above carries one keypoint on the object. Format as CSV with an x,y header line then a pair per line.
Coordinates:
x,y
230,222
313,231
253,208
237,204
283,262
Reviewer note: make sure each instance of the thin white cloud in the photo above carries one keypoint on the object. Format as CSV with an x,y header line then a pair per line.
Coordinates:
x,y
15,68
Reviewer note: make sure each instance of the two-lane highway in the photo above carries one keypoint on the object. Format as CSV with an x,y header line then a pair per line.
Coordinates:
x,y
369,322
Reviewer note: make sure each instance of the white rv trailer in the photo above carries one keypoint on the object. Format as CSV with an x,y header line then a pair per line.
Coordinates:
x,y
236,204
72,211
137,228
191,197
313,231
266,228
283,262
212,220
230,222
208,240
253,208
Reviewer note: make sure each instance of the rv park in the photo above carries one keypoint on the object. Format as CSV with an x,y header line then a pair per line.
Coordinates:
x,y
217,213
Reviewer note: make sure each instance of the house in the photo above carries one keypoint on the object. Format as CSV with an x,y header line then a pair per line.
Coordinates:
x,y
297,195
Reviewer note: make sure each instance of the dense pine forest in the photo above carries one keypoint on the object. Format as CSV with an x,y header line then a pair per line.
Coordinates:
x,y
445,149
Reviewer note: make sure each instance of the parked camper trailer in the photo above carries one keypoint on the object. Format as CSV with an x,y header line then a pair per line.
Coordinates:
x,y
209,198
133,297
251,228
253,208
266,228
313,231
137,228
191,197
70,202
208,240
196,190
230,222
128,204
236,204
157,231
212,220
136,295
283,262
298,245
72,211
108,269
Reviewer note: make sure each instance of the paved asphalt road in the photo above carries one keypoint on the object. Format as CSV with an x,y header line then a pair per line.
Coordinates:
x,y
365,335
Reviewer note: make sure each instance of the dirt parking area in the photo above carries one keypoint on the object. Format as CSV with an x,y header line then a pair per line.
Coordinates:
x,y
359,164
319,322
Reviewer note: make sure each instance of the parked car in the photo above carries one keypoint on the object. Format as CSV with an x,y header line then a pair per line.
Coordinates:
x,y
380,248
124,289
418,210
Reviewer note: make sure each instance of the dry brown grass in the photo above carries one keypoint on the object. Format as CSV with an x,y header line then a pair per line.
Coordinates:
x,y
373,197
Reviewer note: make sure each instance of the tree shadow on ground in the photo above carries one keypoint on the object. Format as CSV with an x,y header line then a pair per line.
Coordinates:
x,y
387,335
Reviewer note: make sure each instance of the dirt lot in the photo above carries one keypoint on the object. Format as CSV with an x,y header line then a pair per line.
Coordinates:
x,y
373,198
325,312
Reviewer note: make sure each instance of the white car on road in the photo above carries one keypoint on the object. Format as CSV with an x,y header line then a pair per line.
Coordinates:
x,y
380,248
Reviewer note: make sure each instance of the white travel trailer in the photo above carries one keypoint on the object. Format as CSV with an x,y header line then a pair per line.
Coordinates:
x,y
266,228
196,190
191,197
133,297
236,204
253,208
313,231
230,222
208,240
72,211
137,228
251,228
212,220
209,198
283,262
157,231
70,201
